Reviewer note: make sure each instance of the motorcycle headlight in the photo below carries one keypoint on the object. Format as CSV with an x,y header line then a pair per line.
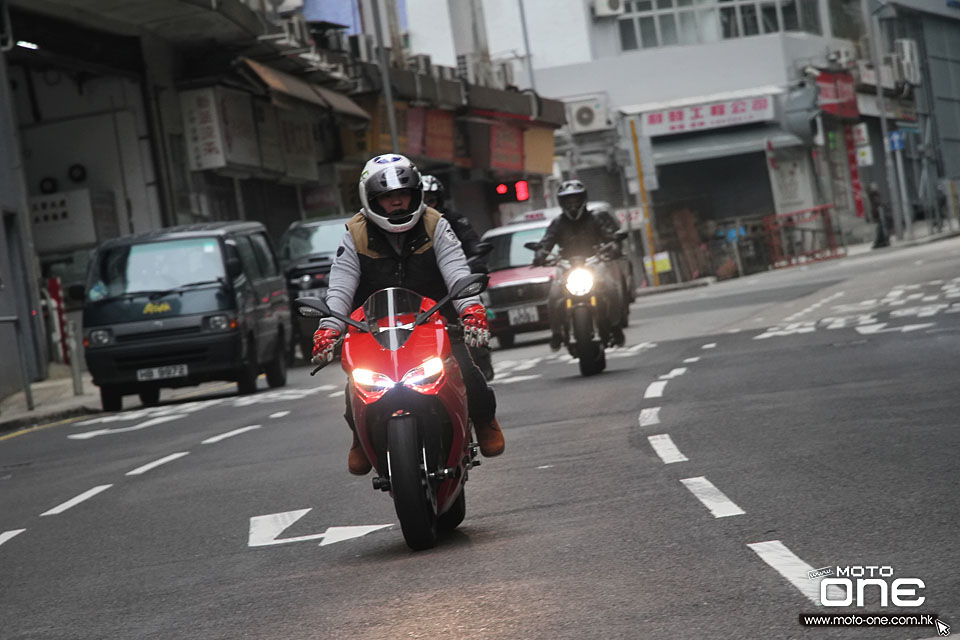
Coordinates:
x,y
370,381
579,282
424,375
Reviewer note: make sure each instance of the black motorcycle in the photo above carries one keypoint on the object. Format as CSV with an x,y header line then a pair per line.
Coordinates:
x,y
586,327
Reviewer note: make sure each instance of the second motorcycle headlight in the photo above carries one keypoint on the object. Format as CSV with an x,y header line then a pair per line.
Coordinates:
x,y
579,282
426,374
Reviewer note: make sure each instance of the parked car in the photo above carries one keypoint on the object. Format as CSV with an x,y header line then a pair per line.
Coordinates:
x,y
184,305
516,297
307,250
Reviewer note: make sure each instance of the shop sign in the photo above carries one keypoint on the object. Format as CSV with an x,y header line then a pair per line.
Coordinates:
x,y
855,184
440,138
297,144
268,133
708,115
838,94
416,130
896,109
506,147
202,128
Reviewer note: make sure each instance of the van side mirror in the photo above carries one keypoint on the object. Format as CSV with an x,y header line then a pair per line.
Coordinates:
x,y
533,246
234,267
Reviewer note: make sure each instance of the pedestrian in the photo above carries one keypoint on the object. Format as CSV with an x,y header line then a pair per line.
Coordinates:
x,y
881,212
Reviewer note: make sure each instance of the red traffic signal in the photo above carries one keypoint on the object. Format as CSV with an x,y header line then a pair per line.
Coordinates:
x,y
518,191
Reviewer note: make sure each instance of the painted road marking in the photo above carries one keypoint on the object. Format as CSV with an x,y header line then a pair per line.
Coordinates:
x,y
787,564
265,529
156,463
655,390
337,394
143,425
711,345
674,373
72,502
712,498
692,360
512,379
871,329
280,414
665,448
9,535
229,434
650,417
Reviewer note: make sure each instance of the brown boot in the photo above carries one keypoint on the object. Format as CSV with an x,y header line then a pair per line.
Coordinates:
x,y
490,438
357,461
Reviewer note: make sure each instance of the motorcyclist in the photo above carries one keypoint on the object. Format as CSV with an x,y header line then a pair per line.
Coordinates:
x,y
433,196
578,233
397,241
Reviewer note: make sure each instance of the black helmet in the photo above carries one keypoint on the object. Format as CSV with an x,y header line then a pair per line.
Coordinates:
x,y
572,198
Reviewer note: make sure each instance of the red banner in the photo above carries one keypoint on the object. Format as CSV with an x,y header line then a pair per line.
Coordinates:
x,y
838,94
506,147
855,184
440,137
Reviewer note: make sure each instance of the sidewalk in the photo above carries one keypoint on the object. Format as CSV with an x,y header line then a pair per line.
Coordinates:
x,y
53,400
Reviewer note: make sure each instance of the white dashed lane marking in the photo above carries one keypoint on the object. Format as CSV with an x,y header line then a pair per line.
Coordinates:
x,y
280,414
692,360
665,448
711,345
86,495
229,434
712,498
674,373
787,564
649,417
655,390
156,463
9,535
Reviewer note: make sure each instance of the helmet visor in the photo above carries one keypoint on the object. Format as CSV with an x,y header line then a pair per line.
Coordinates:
x,y
572,203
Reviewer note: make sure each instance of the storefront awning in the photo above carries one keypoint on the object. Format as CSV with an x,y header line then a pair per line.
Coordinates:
x,y
305,91
719,143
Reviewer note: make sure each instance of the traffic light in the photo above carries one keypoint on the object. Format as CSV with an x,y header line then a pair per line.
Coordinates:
x,y
518,191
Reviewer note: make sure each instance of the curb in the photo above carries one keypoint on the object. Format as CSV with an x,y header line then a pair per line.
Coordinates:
x,y
666,288
15,424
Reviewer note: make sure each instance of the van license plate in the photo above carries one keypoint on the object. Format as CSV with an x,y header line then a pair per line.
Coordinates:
x,y
162,373
523,315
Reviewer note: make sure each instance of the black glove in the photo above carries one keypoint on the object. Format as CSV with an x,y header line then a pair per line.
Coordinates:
x,y
540,259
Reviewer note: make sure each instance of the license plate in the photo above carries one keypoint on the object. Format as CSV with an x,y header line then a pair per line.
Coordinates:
x,y
523,315
162,373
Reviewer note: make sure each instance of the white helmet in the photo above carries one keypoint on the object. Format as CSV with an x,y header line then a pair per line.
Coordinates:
x,y
433,189
386,173
572,198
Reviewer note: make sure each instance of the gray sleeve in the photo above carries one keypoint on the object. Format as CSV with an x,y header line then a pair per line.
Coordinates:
x,y
451,260
344,279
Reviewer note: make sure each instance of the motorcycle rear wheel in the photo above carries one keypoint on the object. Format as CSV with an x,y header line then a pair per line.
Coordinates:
x,y
592,359
409,485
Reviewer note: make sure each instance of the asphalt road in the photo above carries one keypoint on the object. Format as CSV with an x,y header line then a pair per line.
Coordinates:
x,y
749,432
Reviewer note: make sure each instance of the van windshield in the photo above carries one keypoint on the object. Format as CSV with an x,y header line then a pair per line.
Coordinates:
x,y
155,268
303,241
508,250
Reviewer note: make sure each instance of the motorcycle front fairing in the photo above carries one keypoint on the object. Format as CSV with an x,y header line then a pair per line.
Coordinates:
x,y
398,360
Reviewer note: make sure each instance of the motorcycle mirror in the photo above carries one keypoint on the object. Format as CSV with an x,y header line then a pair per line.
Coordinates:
x,y
533,246
312,307
483,248
471,285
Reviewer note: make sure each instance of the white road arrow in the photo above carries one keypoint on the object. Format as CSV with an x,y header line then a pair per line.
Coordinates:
x,y
264,530
870,329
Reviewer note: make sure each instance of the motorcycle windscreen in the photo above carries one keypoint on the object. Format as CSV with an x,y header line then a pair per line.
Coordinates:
x,y
391,314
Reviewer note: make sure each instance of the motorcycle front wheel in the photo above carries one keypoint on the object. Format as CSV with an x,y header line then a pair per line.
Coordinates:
x,y
590,354
412,493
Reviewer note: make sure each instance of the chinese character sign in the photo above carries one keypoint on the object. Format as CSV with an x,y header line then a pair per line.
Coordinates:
x,y
202,129
710,115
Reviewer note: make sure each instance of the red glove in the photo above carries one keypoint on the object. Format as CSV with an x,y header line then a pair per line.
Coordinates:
x,y
475,330
324,341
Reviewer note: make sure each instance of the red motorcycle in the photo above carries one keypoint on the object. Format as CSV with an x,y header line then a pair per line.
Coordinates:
x,y
410,403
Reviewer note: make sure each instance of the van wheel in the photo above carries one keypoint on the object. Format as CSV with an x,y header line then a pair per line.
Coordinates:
x,y
110,398
248,372
276,369
149,396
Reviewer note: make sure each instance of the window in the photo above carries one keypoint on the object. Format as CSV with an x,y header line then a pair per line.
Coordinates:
x,y
768,17
628,35
265,259
688,27
728,19
810,16
251,268
668,29
846,20
791,21
751,25
648,33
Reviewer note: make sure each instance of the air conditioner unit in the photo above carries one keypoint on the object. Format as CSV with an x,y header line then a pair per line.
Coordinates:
x,y
891,61
467,68
909,60
361,47
608,8
420,64
505,74
587,114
